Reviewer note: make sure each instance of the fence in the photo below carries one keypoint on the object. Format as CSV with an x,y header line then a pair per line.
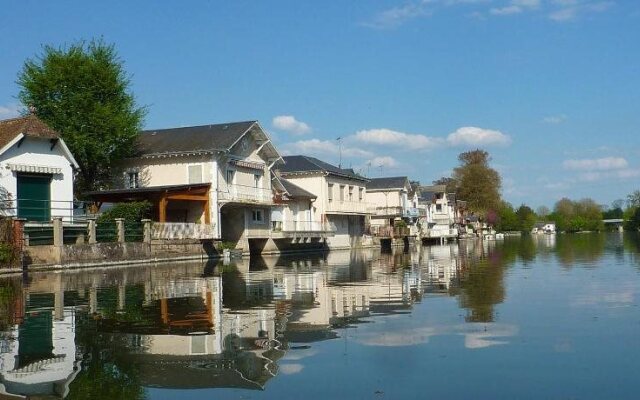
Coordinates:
x,y
33,210
178,230
244,193
388,231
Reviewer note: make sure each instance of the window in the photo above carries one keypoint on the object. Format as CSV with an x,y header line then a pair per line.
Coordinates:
x,y
257,216
350,193
231,174
195,173
257,180
361,194
133,181
341,192
330,192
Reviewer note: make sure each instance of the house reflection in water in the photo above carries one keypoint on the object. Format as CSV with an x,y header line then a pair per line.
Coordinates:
x,y
206,326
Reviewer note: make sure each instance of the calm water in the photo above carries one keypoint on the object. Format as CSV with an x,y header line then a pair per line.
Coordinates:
x,y
532,318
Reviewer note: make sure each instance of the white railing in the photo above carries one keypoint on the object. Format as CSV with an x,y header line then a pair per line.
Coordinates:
x,y
356,207
244,193
182,230
438,233
307,226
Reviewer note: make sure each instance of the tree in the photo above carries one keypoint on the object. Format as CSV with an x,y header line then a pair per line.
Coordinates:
x,y
83,93
526,218
633,200
574,216
477,183
543,211
450,183
507,218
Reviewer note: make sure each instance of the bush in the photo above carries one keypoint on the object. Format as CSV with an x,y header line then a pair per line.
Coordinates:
x,y
6,254
131,212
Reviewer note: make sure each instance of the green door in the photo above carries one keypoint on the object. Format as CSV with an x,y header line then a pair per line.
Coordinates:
x,y
34,197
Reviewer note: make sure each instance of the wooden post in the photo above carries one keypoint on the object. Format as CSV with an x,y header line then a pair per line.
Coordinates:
x,y
162,208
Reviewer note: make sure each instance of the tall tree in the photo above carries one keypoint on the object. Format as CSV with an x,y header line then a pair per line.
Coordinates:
x,y
478,183
450,183
633,200
84,93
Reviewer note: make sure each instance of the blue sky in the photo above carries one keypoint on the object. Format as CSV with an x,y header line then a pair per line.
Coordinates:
x,y
551,88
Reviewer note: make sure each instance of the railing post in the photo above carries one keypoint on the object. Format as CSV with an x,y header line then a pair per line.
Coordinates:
x,y
91,230
146,226
120,229
19,239
58,239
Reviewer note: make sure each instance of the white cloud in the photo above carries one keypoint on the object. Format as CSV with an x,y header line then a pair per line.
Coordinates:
x,y
388,137
596,164
290,369
317,147
397,16
474,136
555,119
594,176
570,9
10,111
289,123
507,10
383,161
515,7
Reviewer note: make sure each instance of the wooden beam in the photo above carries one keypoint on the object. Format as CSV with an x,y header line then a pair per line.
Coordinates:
x,y
191,197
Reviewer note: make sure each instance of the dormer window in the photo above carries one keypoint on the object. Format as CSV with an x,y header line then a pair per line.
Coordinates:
x,y
133,180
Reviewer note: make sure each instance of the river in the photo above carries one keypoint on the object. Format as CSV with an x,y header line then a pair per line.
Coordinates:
x,y
542,317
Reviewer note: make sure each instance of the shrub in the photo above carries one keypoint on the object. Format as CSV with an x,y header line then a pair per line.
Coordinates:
x,y
131,212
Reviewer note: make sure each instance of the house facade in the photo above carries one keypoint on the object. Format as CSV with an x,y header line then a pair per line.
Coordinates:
x,y
36,171
340,194
392,199
439,221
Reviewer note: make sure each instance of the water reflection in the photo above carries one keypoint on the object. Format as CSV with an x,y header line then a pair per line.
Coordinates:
x,y
114,333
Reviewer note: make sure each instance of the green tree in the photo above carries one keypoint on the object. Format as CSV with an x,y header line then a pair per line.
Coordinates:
x,y
574,216
633,200
84,93
478,183
507,218
526,218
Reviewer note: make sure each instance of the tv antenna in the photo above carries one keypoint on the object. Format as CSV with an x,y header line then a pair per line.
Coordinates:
x,y
339,139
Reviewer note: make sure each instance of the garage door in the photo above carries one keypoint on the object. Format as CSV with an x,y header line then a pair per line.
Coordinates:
x,y
34,197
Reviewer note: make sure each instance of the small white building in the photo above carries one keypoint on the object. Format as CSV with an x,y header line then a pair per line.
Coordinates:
x,y
440,219
392,200
36,171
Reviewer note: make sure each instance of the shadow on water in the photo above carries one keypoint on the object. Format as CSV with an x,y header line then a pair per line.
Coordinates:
x,y
113,333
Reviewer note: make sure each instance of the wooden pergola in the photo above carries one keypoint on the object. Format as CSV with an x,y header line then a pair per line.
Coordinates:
x,y
159,196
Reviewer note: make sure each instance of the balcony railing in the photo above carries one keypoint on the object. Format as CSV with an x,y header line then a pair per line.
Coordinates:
x,y
245,194
347,207
396,211
388,231
439,233
292,228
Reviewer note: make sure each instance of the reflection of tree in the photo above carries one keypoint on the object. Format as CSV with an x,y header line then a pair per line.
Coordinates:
x,y
482,286
10,297
631,243
582,247
105,374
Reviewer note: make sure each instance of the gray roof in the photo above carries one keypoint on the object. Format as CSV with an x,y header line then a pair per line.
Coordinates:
x,y
395,182
306,164
296,191
197,139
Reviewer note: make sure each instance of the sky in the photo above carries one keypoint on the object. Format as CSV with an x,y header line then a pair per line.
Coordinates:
x,y
550,88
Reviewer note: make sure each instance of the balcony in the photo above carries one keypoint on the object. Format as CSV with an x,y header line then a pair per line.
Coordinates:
x,y
396,212
347,207
244,194
439,233
293,229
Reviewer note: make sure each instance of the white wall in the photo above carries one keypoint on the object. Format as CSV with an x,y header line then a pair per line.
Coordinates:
x,y
35,151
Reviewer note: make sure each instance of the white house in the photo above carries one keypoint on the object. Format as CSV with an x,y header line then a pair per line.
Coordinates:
x,y
340,196
36,171
392,200
440,219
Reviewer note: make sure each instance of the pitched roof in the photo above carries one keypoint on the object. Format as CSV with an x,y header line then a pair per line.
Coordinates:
x,y
428,193
306,164
394,182
296,191
204,138
29,125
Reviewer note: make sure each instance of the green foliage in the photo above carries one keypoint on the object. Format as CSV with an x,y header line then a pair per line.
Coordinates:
x,y
6,254
83,92
526,218
507,218
131,212
576,216
632,217
450,183
227,245
477,183
613,213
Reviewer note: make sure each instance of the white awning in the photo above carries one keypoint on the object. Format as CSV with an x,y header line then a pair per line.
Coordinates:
x,y
247,164
35,169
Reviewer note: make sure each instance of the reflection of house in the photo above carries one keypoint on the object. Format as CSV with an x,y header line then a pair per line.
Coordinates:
x,y
38,358
36,171
391,202
440,213
340,196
